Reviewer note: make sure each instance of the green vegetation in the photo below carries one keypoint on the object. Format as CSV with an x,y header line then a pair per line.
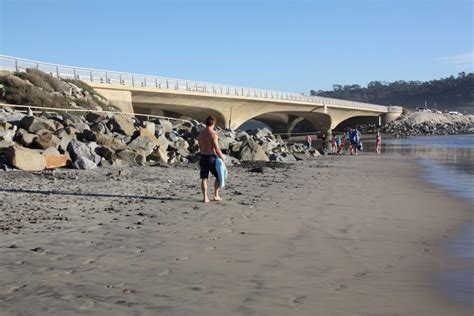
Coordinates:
x,y
451,93
36,88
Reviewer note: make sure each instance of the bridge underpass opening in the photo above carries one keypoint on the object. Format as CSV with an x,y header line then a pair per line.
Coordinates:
x,y
356,121
197,113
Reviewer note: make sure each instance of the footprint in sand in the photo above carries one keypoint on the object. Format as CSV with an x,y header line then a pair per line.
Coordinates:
x,y
183,258
129,291
296,300
14,289
340,287
360,274
164,272
113,286
87,305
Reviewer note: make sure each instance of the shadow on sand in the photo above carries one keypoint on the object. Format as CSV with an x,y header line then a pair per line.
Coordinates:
x,y
88,194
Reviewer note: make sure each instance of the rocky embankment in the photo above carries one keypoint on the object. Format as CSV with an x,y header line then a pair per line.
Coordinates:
x,y
100,139
423,124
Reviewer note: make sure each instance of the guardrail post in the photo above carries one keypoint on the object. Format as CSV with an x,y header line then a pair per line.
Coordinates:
x,y
156,82
133,81
16,65
167,84
120,79
106,78
90,73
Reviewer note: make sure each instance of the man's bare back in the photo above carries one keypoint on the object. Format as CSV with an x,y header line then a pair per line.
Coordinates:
x,y
206,141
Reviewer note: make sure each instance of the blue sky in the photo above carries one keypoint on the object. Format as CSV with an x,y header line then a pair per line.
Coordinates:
x,y
283,45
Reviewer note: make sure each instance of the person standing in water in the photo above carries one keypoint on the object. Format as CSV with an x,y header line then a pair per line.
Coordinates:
x,y
209,150
378,143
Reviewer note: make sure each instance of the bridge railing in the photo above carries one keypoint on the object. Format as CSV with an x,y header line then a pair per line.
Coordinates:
x,y
136,80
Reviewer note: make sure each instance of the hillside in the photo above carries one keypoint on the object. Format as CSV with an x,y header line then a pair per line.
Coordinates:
x,y
36,88
446,94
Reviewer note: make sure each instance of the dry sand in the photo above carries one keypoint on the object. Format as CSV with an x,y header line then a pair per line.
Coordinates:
x,y
314,238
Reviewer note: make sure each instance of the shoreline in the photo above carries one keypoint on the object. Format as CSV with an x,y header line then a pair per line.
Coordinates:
x,y
340,235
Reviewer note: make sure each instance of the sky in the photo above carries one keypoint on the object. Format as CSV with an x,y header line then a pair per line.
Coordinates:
x,y
273,44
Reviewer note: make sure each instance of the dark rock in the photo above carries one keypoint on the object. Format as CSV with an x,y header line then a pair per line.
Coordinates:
x,y
33,124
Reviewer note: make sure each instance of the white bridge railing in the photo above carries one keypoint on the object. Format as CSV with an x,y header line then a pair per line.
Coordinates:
x,y
134,80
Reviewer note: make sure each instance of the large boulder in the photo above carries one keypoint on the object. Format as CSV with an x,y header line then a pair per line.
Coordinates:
x,y
96,117
122,124
45,140
69,119
84,164
105,152
167,126
24,138
134,157
54,159
110,141
34,124
78,150
159,154
25,159
150,126
145,140
224,141
262,132
251,151
143,143
282,157
7,135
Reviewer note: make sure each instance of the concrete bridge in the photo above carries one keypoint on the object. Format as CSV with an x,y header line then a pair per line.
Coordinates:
x,y
232,105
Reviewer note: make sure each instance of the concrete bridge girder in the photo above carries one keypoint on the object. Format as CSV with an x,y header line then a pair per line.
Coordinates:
x,y
231,111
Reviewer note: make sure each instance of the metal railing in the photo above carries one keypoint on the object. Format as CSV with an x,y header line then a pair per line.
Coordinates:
x,y
136,80
26,108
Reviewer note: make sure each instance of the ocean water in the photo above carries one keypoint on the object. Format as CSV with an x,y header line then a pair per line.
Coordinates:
x,y
448,163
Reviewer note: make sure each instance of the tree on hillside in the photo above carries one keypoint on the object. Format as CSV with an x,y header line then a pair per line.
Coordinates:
x,y
451,93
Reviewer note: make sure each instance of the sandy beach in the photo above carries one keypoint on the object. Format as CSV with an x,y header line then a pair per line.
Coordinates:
x,y
334,235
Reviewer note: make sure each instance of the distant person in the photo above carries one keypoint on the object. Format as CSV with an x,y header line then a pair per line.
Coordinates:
x,y
323,142
334,144
338,144
378,143
354,139
342,143
209,149
309,141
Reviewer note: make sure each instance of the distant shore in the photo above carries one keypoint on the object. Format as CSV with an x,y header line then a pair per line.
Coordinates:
x,y
337,235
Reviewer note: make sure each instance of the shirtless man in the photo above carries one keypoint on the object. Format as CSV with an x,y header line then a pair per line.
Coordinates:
x,y
209,149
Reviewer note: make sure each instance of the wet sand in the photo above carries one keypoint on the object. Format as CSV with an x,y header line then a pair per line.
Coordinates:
x,y
332,236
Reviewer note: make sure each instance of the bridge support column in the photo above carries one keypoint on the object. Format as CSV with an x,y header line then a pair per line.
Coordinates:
x,y
392,114
121,99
